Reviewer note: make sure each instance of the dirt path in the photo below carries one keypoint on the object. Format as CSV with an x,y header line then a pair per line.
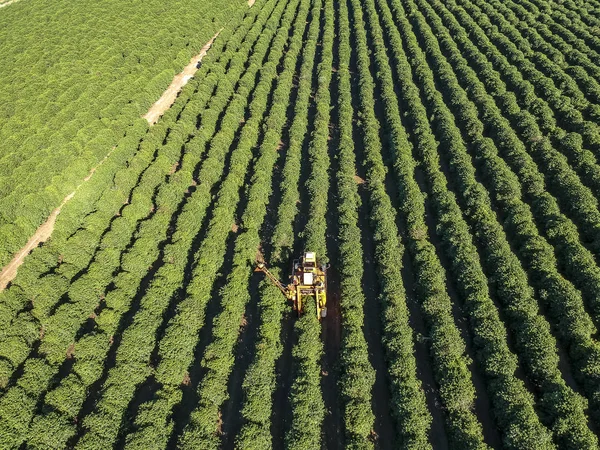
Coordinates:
x,y
10,2
179,81
250,3
9,272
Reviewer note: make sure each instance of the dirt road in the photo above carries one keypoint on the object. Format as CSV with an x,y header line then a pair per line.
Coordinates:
x,y
10,2
9,272
179,81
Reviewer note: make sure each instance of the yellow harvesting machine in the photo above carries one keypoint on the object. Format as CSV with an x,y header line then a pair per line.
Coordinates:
x,y
307,279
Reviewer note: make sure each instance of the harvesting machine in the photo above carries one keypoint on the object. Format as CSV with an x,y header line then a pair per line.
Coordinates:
x,y
307,279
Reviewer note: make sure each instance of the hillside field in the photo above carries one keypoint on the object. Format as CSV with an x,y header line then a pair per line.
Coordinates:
x,y
442,156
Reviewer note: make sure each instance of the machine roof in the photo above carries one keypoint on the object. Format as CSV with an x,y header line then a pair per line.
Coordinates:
x,y
309,256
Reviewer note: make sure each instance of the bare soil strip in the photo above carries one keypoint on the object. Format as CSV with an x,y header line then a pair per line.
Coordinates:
x,y
179,81
43,233
9,272
10,2
250,3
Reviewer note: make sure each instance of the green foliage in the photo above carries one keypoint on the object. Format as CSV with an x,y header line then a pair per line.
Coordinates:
x,y
408,399
308,408
260,380
513,405
317,183
176,347
75,80
572,198
496,101
135,262
566,307
447,347
357,374
306,399
170,276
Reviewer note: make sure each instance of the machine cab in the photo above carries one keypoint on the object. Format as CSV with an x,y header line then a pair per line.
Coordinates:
x,y
306,269
309,267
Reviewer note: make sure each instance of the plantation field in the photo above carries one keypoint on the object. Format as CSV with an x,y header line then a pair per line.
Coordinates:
x,y
73,77
440,155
